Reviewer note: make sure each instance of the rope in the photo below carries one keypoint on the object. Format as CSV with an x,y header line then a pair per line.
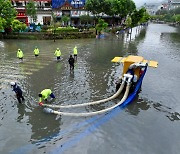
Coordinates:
x,y
90,103
97,112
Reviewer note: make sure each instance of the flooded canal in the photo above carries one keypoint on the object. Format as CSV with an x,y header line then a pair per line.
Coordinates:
x,y
150,124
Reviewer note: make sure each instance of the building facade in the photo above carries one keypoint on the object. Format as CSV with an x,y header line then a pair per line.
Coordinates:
x,y
47,8
72,8
173,4
44,11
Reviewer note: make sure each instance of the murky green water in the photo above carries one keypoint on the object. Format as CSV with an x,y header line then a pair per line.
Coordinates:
x,y
150,124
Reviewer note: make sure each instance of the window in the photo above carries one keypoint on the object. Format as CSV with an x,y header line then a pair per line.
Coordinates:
x,y
18,4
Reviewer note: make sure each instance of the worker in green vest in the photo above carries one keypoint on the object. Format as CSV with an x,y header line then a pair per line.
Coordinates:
x,y
45,94
58,54
20,54
36,51
75,53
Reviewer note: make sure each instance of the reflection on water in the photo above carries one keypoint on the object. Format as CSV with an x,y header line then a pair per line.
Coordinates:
x,y
93,78
45,124
140,104
137,106
21,112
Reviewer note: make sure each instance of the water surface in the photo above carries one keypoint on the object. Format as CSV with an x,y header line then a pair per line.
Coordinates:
x,y
150,124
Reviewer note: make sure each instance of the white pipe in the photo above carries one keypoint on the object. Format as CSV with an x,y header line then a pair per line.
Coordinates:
x,y
97,112
89,103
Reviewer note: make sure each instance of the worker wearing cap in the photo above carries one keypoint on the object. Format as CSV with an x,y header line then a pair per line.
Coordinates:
x,y
18,91
20,54
36,51
75,52
45,94
58,54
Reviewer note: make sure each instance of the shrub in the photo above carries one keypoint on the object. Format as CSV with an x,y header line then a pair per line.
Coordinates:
x,y
18,26
64,29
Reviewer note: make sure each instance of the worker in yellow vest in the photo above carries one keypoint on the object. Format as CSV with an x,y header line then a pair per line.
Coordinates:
x,y
75,53
58,54
36,51
45,94
20,54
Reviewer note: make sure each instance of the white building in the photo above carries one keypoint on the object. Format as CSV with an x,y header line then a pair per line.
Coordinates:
x,y
44,11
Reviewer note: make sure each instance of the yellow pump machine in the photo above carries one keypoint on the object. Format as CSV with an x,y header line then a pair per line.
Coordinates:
x,y
134,66
129,60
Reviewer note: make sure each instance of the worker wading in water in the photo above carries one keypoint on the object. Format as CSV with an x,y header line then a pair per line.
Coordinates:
x,y
58,54
20,54
36,51
75,52
18,91
44,95
71,62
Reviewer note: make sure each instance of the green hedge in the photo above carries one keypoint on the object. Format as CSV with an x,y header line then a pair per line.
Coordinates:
x,y
64,29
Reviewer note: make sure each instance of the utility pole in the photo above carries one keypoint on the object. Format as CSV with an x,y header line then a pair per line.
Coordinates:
x,y
54,27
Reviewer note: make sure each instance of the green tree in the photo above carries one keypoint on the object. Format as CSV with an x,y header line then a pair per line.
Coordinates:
x,y
123,7
177,10
85,19
95,6
2,23
53,22
168,18
7,14
137,16
101,25
31,10
145,17
128,21
161,12
113,8
18,26
176,18
65,19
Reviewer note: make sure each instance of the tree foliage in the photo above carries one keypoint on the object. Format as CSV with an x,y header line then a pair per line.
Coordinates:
x,y
2,23
172,12
176,11
101,25
85,19
7,14
111,7
137,16
176,18
31,10
161,12
168,15
128,21
123,7
65,19
18,26
95,6
145,17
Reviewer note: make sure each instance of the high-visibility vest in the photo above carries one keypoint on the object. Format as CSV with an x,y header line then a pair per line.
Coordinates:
x,y
45,94
36,51
20,54
75,51
57,53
